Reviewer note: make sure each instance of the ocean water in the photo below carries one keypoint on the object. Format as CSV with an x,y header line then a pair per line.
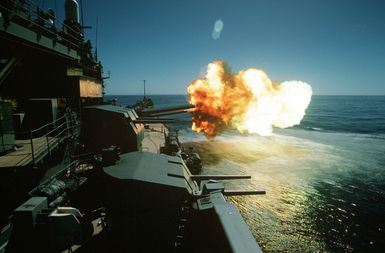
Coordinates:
x,y
324,179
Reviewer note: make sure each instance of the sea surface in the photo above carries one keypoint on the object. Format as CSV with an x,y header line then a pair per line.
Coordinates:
x,y
324,179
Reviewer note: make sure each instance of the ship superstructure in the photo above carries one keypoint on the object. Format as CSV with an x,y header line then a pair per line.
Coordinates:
x,y
47,74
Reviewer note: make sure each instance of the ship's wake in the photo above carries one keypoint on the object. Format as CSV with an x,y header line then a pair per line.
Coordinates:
x,y
241,149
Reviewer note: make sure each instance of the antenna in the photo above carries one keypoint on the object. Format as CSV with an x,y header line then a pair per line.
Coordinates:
x,y
81,13
57,14
144,89
96,39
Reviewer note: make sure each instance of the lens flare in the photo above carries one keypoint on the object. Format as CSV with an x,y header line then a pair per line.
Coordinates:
x,y
247,101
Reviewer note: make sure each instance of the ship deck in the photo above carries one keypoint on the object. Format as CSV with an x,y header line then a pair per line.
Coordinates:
x,y
28,152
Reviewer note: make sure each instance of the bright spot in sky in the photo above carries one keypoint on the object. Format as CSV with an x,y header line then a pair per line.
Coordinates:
x,y
218,27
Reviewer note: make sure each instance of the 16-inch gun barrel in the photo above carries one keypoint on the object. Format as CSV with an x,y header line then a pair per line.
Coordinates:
x,y
167,110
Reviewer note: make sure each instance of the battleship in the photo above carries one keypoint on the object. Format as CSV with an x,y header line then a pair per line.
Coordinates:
x,y
83,175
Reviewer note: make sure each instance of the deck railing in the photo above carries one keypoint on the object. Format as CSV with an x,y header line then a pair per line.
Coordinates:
x,y
43,140
33,16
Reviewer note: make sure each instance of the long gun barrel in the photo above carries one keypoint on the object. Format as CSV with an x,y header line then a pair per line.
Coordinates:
x,y
242,192
208,177
148,120
167,110
219,177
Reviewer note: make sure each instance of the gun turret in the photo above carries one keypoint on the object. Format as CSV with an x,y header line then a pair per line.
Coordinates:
x,y
209,200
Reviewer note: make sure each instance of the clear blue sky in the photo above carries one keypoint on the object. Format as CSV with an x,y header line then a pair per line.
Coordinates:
x,y
337,46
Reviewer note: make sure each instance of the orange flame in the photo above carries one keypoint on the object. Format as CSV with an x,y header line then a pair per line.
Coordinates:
x,y
248,101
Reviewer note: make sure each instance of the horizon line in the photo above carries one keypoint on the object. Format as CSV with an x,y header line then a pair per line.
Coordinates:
x,y
368,95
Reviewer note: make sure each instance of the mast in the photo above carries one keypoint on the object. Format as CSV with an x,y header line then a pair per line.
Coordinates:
x,y
96,39
81,13
144,89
